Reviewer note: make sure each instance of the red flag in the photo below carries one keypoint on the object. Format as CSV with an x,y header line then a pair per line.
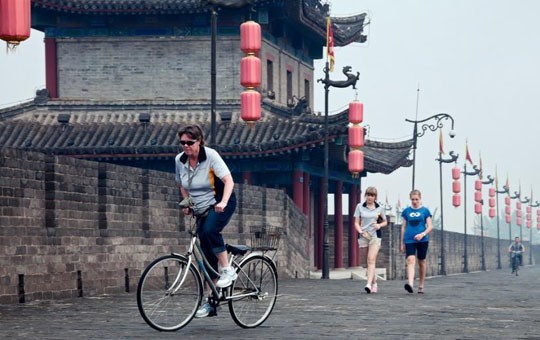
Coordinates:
x,y
330,44
441,146
468,154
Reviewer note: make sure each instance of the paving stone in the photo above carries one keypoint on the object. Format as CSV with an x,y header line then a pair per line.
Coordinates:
x,y
482,305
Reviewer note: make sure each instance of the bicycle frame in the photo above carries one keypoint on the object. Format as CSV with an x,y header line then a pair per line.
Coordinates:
x,y
195,253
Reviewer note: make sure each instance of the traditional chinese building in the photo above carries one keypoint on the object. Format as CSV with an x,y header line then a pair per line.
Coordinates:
x,y
122,76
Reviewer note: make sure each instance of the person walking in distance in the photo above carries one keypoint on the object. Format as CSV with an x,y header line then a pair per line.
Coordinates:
x,y
415,240
369,218
206,181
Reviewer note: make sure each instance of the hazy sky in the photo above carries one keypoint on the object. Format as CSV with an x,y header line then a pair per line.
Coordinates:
x,y
477,60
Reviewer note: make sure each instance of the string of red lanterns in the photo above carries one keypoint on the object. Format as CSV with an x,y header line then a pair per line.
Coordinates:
x,y
491,201
356,138
519,220
456,187
14,21
478,196
250,72
508,209
538,219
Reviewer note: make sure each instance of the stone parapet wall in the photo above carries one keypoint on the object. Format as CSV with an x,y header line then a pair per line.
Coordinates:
x,y
71,227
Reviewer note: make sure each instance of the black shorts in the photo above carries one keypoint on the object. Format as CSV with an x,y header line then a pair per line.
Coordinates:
x,y
418,248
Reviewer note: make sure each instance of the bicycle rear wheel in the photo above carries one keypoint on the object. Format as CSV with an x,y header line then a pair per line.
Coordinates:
x,y
254,292
163,303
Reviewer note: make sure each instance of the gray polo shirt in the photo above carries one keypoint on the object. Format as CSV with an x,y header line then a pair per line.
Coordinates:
x,y
369,217
203,182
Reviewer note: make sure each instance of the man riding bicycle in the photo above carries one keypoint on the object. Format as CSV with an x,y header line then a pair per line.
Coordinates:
x,y
516,249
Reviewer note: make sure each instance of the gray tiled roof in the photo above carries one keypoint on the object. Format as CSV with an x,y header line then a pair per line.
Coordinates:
x,y
311,13
103,131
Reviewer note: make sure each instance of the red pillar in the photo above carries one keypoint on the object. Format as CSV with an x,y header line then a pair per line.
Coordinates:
x,y
320,226
338,222
51,67
298,189
307,212
247,177
353,234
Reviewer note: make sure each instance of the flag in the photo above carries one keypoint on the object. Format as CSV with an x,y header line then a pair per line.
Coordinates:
x,y
507,185
467,153
441,146
330,44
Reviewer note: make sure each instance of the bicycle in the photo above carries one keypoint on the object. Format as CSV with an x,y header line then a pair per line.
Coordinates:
x,y
516,261
170,289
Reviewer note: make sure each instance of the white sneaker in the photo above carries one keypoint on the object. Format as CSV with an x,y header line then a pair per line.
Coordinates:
x,y
367,288
227,277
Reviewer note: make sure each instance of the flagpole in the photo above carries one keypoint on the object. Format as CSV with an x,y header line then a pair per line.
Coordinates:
x,y
465,174
453,158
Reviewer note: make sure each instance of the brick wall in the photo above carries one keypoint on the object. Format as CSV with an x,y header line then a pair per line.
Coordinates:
x,y
111,68
71,227
394,262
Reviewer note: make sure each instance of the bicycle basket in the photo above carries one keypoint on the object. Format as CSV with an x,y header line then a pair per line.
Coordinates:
x,y
265,237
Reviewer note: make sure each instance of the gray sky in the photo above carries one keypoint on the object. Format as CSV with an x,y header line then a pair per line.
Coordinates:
x,y
477,60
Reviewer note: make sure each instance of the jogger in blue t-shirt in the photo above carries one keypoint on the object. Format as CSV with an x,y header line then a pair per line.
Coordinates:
x,y
414,239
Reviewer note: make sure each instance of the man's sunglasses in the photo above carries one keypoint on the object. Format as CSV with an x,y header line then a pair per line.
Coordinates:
x,y
188,142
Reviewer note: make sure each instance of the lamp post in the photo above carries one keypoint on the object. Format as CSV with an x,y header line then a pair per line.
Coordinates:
x,y
466,173
535,205
497,192
453,158
352,79
424,127
489,181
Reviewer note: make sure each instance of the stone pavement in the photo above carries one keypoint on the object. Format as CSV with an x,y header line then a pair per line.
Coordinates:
x,y
484,305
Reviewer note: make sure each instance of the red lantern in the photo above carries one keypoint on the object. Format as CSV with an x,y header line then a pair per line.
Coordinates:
x,y
14,21
477,208
250,106
456,200
508,218
356,162
477,196
456,186
491,202
519,221
478,185
519,213
528,217
356,136
538,219
538,212
456,173
529,224
529,209
518,205
250,71
356,112
507,200
491,212
508,210
538,226
491,192
250,37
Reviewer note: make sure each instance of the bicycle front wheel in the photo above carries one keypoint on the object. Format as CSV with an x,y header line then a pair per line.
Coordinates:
x,y
169,293
254,292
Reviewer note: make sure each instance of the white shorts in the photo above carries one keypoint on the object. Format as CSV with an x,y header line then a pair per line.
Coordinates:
x,y
364,242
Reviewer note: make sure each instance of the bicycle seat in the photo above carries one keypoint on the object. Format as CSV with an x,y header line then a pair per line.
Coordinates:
x,y
237,249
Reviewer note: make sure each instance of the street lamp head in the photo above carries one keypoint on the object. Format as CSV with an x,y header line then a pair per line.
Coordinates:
x,y
452,133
